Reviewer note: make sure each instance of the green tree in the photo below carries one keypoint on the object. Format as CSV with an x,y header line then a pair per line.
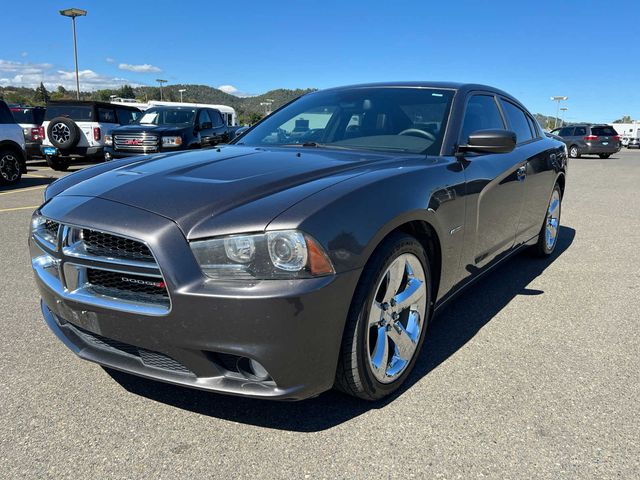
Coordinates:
x,y
127,92
41,94
625,119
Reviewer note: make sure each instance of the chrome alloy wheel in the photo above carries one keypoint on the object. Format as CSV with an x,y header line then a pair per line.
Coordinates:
x,y
9,167
396,317
60,132
552,223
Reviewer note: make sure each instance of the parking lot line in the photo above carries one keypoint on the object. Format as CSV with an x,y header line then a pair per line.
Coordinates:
x,y
23,190
32,207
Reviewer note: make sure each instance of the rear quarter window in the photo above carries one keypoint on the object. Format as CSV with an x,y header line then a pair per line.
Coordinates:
x,y
517,121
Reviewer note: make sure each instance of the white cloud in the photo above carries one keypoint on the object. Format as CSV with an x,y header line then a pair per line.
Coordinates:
x,y
24,54
109,60
144,68
230,89
20,74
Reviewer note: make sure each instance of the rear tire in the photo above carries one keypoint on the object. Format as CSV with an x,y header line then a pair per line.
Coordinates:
x,y
604,155
10,167
57,163
384,330
548,236
574,152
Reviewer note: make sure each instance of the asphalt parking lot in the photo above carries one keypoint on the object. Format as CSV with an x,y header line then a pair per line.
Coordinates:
x,y
533,373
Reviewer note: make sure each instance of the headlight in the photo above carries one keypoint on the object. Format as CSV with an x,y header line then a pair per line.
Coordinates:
x,y
108,140
265,256
171,141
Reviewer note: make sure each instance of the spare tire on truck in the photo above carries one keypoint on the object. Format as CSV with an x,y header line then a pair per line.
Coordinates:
x,y
63,133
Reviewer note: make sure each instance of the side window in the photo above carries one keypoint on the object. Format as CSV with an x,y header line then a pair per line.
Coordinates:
x,y
106,115
566,132
125,117
580,131
517,121
204,117
217,118
481,114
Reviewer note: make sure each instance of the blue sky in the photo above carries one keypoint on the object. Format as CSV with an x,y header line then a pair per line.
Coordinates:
x,y
531,49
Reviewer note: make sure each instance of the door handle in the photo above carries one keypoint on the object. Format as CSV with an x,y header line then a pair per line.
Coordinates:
x,y
521,173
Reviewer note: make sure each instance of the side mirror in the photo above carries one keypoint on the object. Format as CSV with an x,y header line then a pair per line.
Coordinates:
x,y
490,141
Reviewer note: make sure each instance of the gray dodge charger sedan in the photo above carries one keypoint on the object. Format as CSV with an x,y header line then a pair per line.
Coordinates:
x,y
311,253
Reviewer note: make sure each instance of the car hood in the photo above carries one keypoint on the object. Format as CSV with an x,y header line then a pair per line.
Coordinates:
x,y
225,190
156,129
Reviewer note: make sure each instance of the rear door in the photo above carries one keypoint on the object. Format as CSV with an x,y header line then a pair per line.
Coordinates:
x,y
495,192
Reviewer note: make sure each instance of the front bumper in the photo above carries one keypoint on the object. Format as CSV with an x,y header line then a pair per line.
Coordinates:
x,y
110,153
292,328
596,149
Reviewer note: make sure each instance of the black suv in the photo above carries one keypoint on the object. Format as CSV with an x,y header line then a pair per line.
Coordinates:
x,y
588,139
167,129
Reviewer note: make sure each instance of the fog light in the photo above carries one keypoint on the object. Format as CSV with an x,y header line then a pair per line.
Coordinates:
x,y
252,369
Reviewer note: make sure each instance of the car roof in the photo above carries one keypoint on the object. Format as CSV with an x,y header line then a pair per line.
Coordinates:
x,y
92,103
426,84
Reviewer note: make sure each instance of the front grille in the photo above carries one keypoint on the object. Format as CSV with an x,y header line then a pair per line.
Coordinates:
x,y
99,268
107,245
148,357
136,142
136,288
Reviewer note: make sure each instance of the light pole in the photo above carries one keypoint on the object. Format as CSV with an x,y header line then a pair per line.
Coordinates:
x,y
160,81
73,13
182,90
267,106
557,99
563,109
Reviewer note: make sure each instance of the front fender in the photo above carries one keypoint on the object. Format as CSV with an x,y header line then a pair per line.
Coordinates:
x,y
351,218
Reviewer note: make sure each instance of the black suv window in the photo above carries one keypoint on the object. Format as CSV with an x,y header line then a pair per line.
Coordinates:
x,y
481,114
106,115
203,118
566,132
604,131
517,121
580,131
216,118
5,114
125,117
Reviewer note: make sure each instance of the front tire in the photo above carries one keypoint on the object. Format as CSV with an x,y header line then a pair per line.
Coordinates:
x,y
574,152
57,163
548,236
10,167
387,320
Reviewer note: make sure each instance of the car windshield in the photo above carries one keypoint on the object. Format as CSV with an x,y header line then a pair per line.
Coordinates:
x,y
163,116
393,119
74,112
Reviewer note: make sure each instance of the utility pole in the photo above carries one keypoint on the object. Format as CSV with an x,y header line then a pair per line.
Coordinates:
x,y
160,81
73,13
182,90
558,99
563,109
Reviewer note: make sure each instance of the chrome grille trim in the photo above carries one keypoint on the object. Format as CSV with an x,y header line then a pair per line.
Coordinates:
x,y
63,268
144,142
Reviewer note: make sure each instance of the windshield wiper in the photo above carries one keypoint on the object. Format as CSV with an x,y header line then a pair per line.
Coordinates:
x,y
313,145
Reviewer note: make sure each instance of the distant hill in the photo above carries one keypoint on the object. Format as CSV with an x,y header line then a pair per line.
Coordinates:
x,y
248,108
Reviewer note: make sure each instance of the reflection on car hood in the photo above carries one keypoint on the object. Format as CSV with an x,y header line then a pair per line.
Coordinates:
x,y
192,187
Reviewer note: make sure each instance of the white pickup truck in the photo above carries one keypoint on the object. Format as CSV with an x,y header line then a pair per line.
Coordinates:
x,y
77,129
13,161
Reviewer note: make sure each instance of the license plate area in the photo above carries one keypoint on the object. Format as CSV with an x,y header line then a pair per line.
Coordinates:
x,y
50,150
